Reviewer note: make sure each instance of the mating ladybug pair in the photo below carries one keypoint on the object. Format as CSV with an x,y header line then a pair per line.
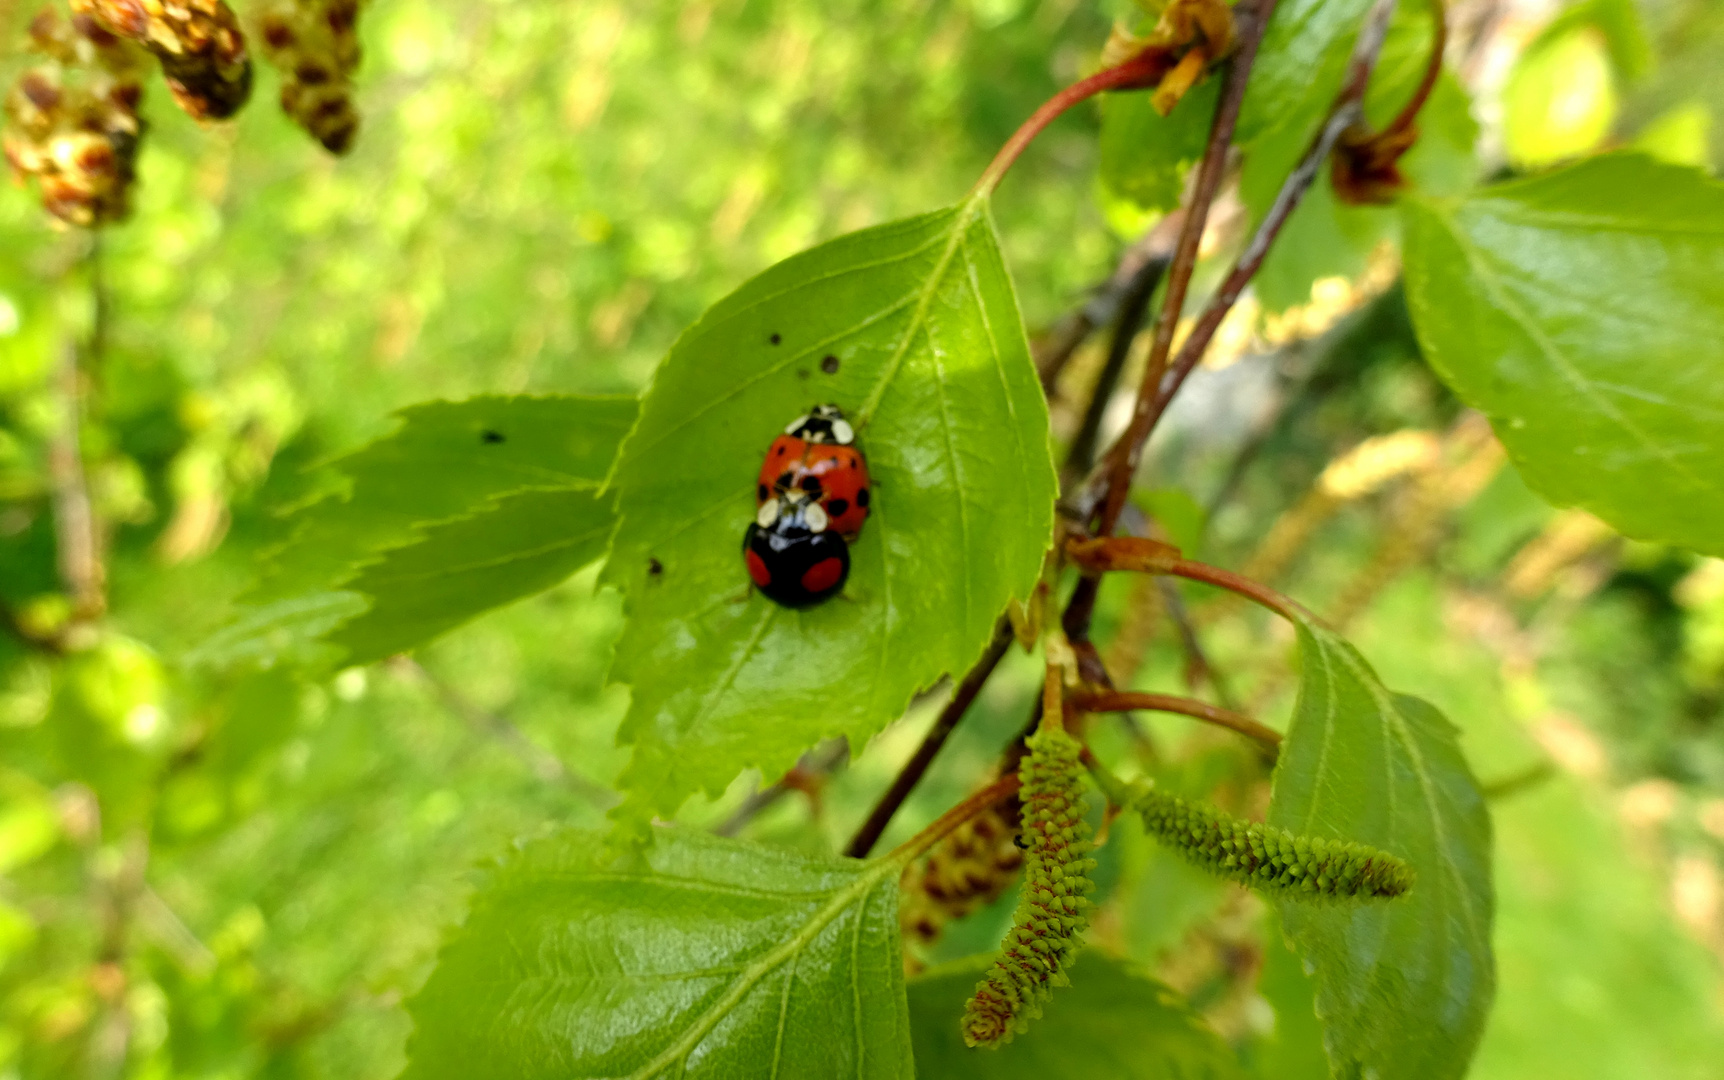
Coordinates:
x,y
811,499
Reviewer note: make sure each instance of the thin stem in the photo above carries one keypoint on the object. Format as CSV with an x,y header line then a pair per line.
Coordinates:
x,y
1056,349
1262,595
810,769
1197,710
868,833
1127,450
77,548
1433,69
1142,70
1347,111
998,791
1118,792
1128,321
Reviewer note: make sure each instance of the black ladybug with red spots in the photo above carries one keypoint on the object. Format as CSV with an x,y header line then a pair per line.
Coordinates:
x,y
812,498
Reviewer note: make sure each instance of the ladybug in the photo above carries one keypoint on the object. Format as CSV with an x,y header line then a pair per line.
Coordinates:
x,y
793,554
817,457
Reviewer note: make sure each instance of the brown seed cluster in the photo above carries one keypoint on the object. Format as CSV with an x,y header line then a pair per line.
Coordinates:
x,y
966,871
199,43
316,45
72,122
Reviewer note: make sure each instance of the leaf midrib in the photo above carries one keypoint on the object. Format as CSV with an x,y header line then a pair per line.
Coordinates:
x,y
866,880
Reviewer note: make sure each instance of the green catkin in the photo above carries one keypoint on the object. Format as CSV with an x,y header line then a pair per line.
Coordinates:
x,y
1052,909
1270,859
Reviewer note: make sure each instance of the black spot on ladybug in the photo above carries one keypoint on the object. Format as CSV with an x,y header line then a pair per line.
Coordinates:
x,y
760,492
784,481
775,339
810,483
862,498
489,436
654,567
829,364
837,507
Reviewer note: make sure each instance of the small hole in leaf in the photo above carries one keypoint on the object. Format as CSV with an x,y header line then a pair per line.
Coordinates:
x,y
654,567
829,365
775,339
489,436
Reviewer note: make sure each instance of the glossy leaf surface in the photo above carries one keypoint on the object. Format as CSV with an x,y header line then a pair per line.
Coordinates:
x,y
913,330
714,958
1607,386
1111,1023
1403,987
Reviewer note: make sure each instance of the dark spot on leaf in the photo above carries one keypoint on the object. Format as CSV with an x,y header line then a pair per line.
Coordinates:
x,y
802,373
862,498
654,567
837,507
775,339
489,436
829,365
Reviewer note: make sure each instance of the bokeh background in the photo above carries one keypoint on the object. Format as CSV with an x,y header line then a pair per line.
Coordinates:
x,y
216,873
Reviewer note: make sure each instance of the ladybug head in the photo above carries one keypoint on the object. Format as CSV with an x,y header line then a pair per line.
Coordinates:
x,y
823,424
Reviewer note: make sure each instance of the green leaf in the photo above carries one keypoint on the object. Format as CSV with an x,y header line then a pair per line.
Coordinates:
x,y
1326,237
1560,100
715,958
517,546
1403,987
1294,1049
1299,67
1145,155
1580,311
446,460
911,328
285,631
1112,1023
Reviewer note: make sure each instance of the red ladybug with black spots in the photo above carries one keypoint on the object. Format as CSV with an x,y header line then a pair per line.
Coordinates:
x,y
817,455
811,501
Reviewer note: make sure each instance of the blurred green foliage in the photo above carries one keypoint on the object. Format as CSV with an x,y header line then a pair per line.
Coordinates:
x,y
542,198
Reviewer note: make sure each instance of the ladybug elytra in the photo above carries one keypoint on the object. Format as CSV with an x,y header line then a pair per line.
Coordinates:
x,y
811,501
817,456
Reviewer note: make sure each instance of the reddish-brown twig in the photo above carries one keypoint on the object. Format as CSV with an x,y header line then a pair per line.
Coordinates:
x,y
1199,710
868,833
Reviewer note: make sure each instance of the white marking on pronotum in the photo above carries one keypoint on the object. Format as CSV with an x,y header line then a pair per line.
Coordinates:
x,y
794,424
768,514
842,431
816,518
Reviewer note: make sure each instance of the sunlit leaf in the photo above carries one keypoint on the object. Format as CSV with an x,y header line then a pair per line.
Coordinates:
x,y
715,958
1112,1023
446,460
1404,986
1581,312
521,544
1561,99
913,330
